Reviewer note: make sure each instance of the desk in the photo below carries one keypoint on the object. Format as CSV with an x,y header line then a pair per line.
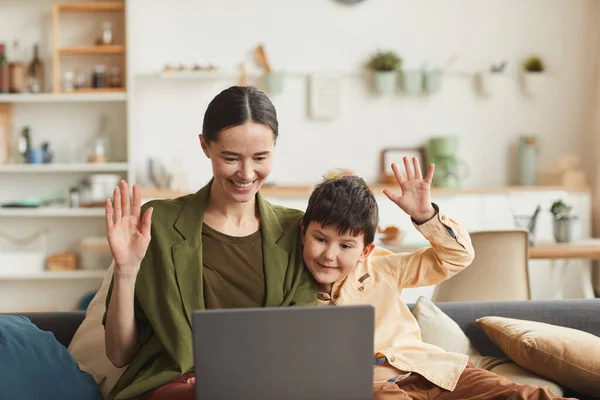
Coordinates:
x,y
583,250
587,250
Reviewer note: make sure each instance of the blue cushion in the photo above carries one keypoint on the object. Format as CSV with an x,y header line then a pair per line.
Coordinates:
x,y
34,365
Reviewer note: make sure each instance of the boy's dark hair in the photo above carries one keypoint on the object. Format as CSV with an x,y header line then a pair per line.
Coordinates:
x,y
346,203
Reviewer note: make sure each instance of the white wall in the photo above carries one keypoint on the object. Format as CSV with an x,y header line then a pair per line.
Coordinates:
x,y
321,35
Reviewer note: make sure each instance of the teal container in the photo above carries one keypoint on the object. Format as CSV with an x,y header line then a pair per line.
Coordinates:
x,y
433,81
528,149
443,146
412,81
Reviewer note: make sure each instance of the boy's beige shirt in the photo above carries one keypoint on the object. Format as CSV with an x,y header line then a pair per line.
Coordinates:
x,y
379,281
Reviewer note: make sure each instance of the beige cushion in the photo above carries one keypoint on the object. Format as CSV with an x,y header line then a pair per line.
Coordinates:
x,y
442,331
87,346
567,356
439,329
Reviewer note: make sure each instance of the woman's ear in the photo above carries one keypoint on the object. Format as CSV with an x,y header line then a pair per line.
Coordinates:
x,y
204,145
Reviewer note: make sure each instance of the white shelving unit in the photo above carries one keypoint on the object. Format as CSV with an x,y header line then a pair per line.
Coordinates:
x,y
69,122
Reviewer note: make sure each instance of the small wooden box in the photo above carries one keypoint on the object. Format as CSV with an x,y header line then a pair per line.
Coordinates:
x,y
66,261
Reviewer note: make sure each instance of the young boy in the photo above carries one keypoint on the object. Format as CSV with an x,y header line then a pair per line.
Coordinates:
x,y
338,232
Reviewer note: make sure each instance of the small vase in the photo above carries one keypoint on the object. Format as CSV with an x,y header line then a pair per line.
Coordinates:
x,y
528,148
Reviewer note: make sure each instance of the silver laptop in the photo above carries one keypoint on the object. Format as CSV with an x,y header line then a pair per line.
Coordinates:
x,y
290,353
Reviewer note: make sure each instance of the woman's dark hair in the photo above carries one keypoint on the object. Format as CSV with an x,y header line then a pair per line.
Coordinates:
x,y
236,106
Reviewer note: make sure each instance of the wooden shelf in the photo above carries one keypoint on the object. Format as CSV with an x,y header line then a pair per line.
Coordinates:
x,y
53,275
91,50
81,91
305,191
92,7
90,96
56,168
52,212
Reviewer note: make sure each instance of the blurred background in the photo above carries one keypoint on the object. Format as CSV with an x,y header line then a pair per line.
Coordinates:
x,y
501,95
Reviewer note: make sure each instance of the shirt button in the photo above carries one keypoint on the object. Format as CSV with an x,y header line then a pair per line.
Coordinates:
x,y
361,288
335,296
323,296
392,359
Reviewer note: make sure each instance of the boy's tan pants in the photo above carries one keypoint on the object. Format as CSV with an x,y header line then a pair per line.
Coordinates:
x,y
474,384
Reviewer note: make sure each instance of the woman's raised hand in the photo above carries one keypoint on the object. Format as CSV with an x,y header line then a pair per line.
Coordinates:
x,y
128,233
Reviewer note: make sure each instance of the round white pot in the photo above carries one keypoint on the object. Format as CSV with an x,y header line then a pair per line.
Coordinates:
x,y
567,230
534,83
274,82
489,83
385,82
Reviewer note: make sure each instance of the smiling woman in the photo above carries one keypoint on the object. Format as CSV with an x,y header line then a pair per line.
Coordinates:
x,y
222,247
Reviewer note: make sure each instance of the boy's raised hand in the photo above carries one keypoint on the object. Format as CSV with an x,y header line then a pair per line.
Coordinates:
x,y
415,199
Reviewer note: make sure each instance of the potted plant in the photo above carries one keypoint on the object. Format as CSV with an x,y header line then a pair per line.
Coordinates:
x,y
533,75
566,226
385,66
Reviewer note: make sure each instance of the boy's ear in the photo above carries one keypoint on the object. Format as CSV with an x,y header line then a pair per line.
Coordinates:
x,y
367,251
302,233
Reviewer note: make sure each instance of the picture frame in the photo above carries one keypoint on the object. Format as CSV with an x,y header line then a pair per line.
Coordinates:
x,y
395,155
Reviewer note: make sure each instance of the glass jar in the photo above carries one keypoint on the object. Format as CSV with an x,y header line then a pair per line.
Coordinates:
x,y
68,82
99,77
81,80
107,35
115,79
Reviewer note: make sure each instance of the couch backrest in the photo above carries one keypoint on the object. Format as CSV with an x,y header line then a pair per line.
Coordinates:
x,y
578,314
62,324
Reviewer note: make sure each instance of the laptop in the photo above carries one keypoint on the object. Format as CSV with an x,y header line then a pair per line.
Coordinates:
x,y
287,353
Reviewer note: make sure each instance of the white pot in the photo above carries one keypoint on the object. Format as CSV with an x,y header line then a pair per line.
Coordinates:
x,y
274,82
385,82
490,83
567,230
534,83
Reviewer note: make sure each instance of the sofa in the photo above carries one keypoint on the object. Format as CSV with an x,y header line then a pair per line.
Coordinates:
x,y
583,315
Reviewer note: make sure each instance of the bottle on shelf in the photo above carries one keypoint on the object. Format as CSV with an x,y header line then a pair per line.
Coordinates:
x,y
4,71
35,72
24,143
18,69
101,143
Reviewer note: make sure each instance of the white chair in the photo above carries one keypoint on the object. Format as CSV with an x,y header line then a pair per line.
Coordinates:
x,y
499,271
